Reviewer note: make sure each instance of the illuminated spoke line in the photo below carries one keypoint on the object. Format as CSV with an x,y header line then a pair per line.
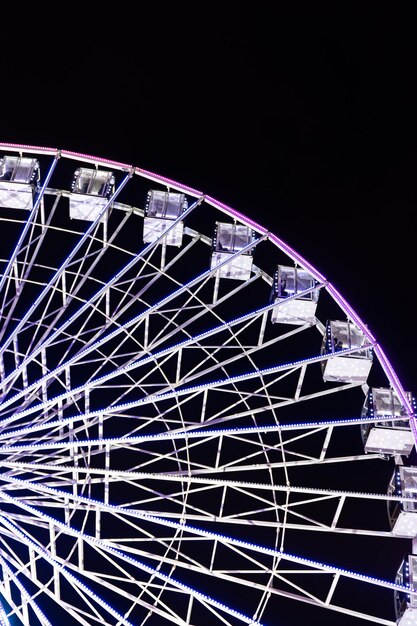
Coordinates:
x,y
62,268
188,562
25,595
65,365
74,391
26,266
152,398
93,343
59,311
192,470
237,579
3,619
193,514
193,340
201,480
131,366
198,532
116,553
219,365
28,223
104,579
190,432
318,494
79,276
56,565
96,296
111,335
44,588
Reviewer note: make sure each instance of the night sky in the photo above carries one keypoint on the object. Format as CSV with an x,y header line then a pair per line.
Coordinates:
x,y
303,119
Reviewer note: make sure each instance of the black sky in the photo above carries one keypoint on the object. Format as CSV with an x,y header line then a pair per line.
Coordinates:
x,y
303,119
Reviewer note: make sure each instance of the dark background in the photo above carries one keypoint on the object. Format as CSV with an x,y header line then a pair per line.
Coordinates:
x,y
304,119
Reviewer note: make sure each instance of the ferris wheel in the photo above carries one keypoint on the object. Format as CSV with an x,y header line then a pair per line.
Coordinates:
x,y
196,427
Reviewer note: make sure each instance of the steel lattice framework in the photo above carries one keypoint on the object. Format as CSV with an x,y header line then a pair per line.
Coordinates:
x,y
178,443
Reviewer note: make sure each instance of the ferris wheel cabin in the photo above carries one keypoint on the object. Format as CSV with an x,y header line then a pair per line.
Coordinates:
x,y
394,438
161,210
228,240
349,354
403,514
90,191
18,179
296,297
391,433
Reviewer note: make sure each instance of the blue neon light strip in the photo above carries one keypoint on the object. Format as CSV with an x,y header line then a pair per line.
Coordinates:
x,y
193,530
214,482
27,225
27,597
50,284
118,553
97,295
56,564
173,435
141,361
187,390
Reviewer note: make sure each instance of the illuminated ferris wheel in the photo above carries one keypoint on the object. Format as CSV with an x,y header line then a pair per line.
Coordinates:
x,y
196,427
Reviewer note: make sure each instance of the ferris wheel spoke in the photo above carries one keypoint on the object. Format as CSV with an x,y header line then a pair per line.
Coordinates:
x,y
32,215
43,475
85,307
112,556
133,364
247,548
67,262
195,427
10,586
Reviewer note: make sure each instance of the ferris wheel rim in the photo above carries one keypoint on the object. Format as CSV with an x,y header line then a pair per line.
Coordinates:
x,y
297,259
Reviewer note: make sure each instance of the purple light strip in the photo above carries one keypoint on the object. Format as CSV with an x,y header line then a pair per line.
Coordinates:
x,y
19,147
386,365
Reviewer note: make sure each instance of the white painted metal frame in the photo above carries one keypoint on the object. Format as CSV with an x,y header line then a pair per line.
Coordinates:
x,y
169,454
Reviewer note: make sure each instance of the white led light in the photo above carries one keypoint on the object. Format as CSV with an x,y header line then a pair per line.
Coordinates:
x,y
347,368
389,441
294,311
406,525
